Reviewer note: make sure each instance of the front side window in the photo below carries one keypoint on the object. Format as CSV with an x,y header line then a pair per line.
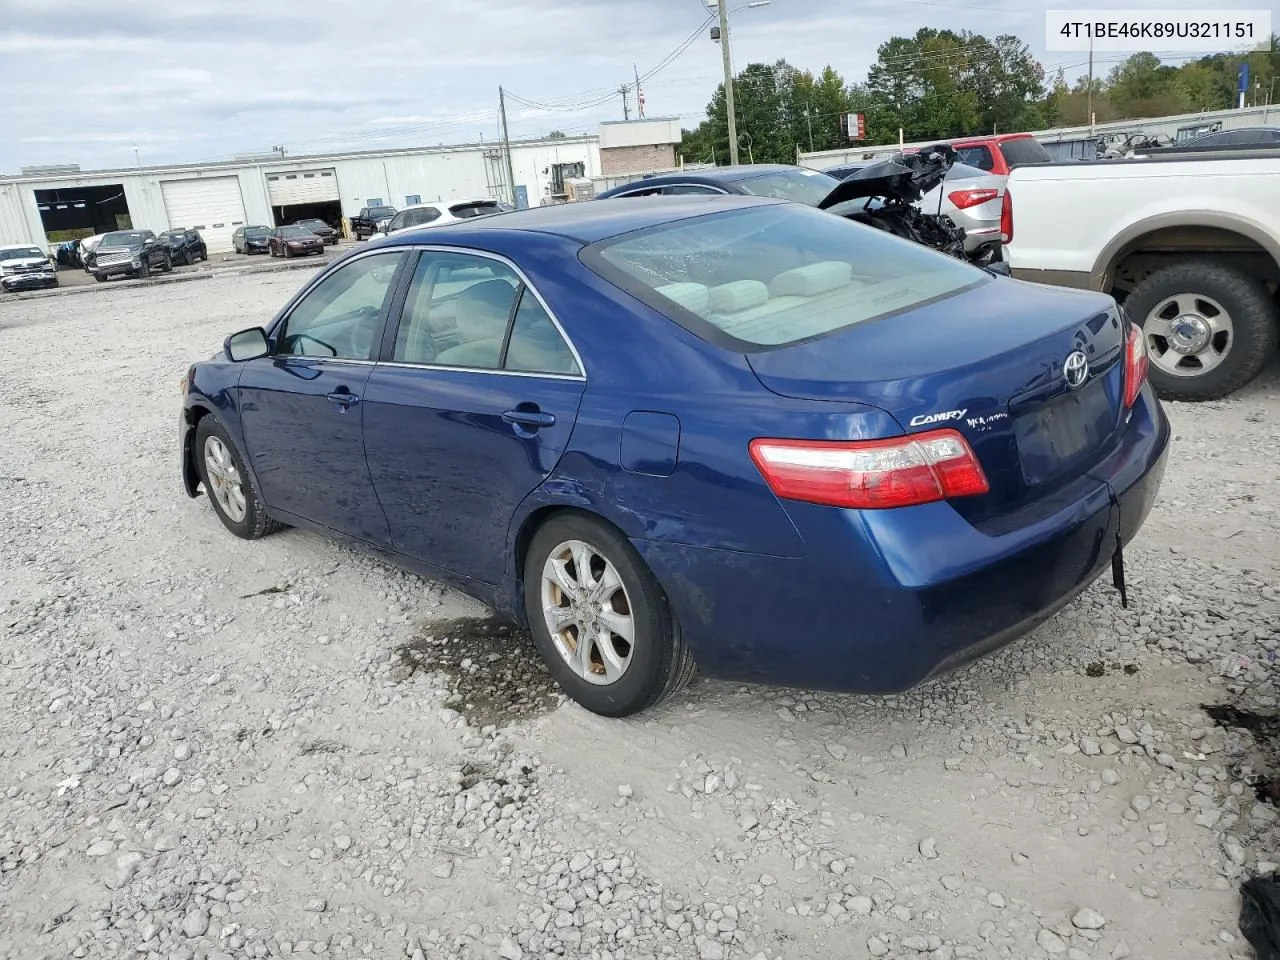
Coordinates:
x,y
474,312
774,275
342,316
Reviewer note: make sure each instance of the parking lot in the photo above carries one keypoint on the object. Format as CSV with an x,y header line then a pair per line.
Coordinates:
x,y
214,748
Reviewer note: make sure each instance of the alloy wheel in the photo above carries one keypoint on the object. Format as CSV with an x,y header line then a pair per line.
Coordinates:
x,y
588,612
224,479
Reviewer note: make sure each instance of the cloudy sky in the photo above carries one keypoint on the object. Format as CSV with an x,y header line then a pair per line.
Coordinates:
x,y
87,81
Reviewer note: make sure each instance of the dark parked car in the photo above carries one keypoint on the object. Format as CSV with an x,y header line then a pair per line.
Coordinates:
x,y
252,239
294,241
744,434
131,253
780,181
185,246
370,220
322,230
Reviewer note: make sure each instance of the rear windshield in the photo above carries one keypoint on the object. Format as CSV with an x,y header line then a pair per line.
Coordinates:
x,y
465,211
1027,150
296,232
774,275
800,185
379,213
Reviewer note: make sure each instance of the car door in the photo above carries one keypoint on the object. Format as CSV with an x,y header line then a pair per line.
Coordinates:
x,y
302,407
470,410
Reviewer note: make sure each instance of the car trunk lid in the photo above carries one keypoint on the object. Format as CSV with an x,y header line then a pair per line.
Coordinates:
x,y
991,363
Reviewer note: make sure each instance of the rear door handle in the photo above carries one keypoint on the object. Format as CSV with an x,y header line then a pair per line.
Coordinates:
x,y
534,419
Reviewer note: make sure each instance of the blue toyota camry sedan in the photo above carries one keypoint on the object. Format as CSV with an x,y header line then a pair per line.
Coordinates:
x,y
730,432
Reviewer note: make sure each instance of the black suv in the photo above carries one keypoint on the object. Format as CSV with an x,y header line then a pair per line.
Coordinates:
x,y
132,253
185,246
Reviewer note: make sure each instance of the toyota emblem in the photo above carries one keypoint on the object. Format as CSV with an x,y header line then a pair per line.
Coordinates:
x,y
1076,369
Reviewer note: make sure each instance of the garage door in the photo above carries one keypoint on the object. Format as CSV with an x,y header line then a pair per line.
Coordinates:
x,y
302,186
211,205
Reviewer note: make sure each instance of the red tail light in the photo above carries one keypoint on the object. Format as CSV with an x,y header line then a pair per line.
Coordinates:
x,y
871,474
1135,364
1006,218
971,198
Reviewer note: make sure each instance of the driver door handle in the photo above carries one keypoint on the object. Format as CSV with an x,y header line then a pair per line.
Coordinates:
x,y
533,419
343,399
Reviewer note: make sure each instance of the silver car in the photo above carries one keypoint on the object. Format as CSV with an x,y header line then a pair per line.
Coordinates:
x,y
970,197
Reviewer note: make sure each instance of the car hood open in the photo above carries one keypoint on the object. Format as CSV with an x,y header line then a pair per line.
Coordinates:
x,y
907,177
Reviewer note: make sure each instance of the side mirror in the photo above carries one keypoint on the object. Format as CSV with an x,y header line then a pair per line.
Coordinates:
x,y
246,345
999,269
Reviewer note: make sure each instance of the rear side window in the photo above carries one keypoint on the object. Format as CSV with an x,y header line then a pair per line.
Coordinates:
x,y
979,157
1027,150
415,218
775,275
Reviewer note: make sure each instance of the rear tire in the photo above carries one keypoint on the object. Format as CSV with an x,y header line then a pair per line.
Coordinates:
x,y
215,446
655,664
1251,315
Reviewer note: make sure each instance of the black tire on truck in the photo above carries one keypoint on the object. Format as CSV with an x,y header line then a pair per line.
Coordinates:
x,y
1210,327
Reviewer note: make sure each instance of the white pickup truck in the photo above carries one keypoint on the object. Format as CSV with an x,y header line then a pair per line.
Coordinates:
x,y
1190,246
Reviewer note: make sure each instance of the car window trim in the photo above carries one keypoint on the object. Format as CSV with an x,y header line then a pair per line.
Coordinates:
x,y
391,330
397,282
718,191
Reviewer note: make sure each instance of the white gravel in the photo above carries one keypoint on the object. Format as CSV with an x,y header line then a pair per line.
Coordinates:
x,y
215,749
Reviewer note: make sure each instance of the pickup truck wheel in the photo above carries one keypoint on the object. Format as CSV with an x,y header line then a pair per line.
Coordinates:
x,y
1210,328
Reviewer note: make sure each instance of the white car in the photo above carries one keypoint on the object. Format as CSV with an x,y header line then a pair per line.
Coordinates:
x,y
87,246
24,267
440,212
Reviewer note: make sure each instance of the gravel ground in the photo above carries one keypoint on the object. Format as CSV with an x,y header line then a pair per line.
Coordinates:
x,y
218,749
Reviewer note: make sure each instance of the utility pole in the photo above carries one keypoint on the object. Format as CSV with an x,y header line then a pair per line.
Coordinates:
x,y
808,116
626,106
639,94
1091,83
506,144
728,82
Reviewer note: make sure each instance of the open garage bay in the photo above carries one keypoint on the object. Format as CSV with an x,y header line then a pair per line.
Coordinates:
x,y
214,748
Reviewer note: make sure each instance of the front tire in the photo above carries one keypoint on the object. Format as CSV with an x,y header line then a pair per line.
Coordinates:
x,y
144,271
600,619
1209,328
230,487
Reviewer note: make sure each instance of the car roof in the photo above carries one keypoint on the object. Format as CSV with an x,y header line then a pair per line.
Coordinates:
x,y
19,246
586,221
989,138
450,202
743,171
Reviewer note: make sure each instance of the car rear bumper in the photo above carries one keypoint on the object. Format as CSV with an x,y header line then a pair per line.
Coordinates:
x,y
900,604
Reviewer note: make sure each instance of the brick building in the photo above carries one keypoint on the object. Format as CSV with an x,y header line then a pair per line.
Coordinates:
x,y
638,146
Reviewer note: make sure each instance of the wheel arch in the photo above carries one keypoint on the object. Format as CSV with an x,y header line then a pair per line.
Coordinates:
x,y
1143,247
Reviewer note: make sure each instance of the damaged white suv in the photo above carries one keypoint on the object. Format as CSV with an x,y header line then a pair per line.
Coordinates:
x,y
24,267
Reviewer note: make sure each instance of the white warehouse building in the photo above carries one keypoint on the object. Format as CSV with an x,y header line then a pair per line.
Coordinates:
x,y
46,205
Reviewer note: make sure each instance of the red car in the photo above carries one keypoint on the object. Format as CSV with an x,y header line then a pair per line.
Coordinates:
x,y
999,153
294,242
